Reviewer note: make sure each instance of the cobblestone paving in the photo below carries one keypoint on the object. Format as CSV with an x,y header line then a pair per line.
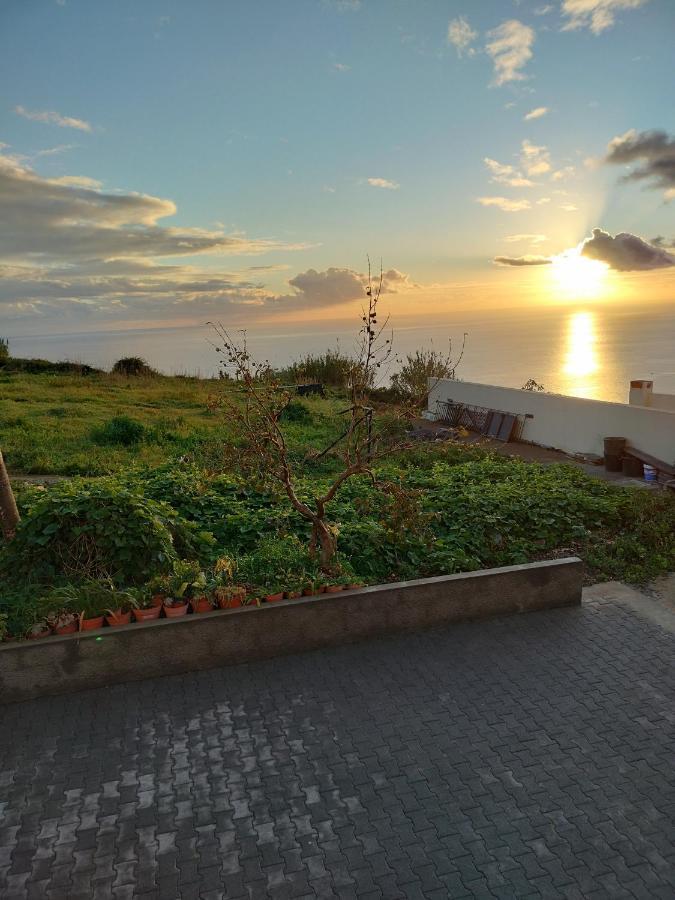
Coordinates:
x,y
524,757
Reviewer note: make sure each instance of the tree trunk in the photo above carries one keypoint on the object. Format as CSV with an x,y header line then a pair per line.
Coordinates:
x,y
327,543
9,514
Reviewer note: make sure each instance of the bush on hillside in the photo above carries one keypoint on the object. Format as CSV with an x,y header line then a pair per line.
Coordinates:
x,y
133,366
120,430
330,368
46,367
413,379
98,529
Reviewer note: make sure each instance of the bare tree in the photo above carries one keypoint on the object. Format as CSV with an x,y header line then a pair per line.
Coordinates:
x,y
258,414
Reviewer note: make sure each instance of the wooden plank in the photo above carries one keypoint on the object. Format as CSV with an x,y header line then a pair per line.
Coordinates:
x,y
658,464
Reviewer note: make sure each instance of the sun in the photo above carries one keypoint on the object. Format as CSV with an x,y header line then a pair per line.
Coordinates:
x,y
577,277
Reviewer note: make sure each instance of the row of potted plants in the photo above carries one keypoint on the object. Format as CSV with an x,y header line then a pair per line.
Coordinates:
x,y
186,590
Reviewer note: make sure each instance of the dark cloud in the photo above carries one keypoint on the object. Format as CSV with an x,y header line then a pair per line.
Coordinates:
x,y
662,242
653,150
335,286
70,219
625,252
522,260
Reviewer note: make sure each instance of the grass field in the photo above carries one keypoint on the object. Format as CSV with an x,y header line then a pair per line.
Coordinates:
x,y
51,424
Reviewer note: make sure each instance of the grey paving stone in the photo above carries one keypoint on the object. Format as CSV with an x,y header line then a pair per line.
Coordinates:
x,y
522,757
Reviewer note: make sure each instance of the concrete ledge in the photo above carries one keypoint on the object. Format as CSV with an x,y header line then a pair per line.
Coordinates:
x,y
76,662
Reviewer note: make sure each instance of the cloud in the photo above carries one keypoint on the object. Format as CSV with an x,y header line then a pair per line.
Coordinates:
x,y
522,261
70,218
536,113
461,36
625,252
543,10
562,174
504,174
655,150
532,238
504,203
535,160
334,286
598,15
341,67
662,242
542,200
50,117
510,49
383,183
569,207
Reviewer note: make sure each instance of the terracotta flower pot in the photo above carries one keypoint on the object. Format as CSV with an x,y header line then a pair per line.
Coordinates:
x,y
117,618
150,612
71,628
91,624
229,603
334,588
273,598
292,595
158,599
309,591
38,635
354,587
201,605
172,612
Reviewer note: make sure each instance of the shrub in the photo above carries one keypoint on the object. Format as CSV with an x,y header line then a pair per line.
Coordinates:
x,y
332,368
296,412
412,381
46,367
98,529
120,430
133,366
4,349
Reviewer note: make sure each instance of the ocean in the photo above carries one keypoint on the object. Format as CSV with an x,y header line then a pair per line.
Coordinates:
x,y
584,350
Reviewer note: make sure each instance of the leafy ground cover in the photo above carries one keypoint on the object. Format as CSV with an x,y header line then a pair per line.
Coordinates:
x,y
438,513
170,498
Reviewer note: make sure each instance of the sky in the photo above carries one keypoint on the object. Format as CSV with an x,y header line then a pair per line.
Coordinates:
x,y
168,162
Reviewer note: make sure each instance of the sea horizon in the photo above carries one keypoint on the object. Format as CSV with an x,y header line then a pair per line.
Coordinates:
x,y
582,350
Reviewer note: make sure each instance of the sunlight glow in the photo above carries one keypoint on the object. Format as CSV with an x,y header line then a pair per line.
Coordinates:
x,y
581,355
578,278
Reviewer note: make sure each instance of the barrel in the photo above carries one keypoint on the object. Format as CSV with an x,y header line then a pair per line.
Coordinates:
x,y
613,463
631,467
614,446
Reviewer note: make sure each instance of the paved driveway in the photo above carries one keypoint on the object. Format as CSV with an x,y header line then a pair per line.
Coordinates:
x,y
523,757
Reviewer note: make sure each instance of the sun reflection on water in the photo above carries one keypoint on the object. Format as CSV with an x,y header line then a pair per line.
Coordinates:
x,y
580,362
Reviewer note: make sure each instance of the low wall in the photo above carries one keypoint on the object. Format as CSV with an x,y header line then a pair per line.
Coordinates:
x,y
76,662
572,424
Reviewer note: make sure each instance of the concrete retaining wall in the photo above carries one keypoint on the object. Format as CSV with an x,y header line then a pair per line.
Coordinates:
x,y
76,662
572,424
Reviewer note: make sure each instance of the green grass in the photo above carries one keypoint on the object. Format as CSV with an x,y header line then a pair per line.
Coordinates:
x,y
51,424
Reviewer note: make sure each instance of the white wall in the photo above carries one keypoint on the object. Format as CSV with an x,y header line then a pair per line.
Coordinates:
x,y
570,423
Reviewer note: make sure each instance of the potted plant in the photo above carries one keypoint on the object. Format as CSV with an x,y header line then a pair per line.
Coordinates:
x,y
65,622
41,629
121,605
229,596
188,583
174,607
160,589
145,608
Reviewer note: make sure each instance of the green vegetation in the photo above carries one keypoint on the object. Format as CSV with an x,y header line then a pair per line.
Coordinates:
x,y
60,424
171,499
